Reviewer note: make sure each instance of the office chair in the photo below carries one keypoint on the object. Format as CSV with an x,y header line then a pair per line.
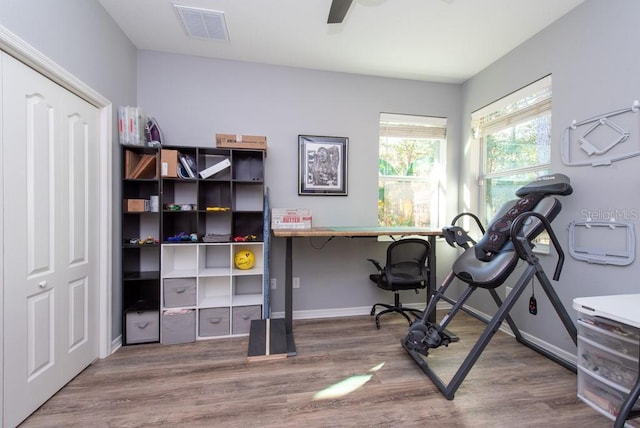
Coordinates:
x,y
405,270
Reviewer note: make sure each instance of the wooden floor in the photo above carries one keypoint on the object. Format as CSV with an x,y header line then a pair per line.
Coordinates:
x,y
211,383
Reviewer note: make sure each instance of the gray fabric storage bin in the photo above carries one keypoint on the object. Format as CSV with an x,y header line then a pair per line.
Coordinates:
x,y
143,326
242,316
214,322
178,326
179,292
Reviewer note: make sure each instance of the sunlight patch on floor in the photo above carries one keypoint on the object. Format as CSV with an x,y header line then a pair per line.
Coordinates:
x,y
346,386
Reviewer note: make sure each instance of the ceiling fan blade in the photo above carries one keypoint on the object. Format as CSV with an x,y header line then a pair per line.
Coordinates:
x,y
338,11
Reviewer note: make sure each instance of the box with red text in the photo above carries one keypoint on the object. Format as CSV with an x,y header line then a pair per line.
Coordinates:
x,y
290,218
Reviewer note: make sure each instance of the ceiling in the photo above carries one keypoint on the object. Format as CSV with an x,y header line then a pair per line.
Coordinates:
x,y
431,40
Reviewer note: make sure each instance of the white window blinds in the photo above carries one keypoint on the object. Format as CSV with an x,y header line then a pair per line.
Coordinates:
x,y
520,106
406,126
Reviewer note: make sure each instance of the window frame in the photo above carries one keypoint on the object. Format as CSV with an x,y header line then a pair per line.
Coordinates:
x,y
481,127
394,125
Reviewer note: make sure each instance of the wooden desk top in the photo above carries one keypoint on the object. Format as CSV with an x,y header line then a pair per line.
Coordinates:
x,y
356,231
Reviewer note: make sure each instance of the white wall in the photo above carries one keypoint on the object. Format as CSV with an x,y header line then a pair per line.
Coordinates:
x,y
592,54
195,98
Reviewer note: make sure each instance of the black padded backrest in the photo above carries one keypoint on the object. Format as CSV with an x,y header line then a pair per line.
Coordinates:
x,y
494,271
490,262
498,232
552,184
406,261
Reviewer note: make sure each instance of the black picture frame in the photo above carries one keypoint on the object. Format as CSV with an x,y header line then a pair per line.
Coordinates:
x,y
322,165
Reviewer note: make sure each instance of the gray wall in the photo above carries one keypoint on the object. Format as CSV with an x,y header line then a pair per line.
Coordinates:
x,y
83,39
592,54
195,98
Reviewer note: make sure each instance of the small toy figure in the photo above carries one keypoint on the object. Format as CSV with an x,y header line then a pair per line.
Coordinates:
x,y
244,238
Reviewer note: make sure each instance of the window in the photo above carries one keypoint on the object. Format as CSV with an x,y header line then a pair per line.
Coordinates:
x,y
514,135
410,170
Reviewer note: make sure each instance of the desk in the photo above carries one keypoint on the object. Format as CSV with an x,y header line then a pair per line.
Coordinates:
x,y
347,232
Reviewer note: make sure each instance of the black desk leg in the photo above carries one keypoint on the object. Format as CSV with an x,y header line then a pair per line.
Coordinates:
x,y
288,297
431,264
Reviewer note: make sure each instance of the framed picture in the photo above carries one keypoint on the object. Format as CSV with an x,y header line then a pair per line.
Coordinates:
x,y
322,165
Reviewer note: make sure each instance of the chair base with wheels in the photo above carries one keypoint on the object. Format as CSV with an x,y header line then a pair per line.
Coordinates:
x,y
405,270
397,308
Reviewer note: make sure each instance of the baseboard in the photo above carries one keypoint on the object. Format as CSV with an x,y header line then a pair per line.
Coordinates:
x,y
116,344
326,313
341,312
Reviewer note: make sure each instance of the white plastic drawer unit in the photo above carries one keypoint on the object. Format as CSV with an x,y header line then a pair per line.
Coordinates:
x,y
608,352
610,334
607,364
602,395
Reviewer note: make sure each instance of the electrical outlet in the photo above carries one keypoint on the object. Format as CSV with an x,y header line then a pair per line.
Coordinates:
x,y
273,283
296,282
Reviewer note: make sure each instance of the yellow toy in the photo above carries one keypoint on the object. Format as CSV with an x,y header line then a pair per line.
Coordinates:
x,y
245,259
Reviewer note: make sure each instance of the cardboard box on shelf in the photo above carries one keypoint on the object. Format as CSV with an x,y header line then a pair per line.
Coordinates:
x,y
169,160
291,218
139,165
233,141
136,205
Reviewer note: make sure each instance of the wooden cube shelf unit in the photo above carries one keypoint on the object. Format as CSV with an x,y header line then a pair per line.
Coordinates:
x,y
207,217
140,244
186,212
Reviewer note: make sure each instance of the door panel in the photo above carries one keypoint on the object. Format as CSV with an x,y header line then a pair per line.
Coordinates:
x,y
50,221
40,335
78,139
31,277
80,226
39,181
78,316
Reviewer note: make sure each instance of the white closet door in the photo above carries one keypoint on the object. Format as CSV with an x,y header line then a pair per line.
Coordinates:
x,y
50,179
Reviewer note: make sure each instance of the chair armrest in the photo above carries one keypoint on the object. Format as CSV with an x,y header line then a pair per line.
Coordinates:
x,y
376,263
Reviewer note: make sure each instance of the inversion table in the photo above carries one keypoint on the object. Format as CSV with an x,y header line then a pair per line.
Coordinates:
x,y
487,264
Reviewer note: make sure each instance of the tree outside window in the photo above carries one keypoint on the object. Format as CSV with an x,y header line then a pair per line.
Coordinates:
x,y
514,135
411,150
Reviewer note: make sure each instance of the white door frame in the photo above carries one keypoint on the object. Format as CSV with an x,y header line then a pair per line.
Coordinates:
x,y
14,46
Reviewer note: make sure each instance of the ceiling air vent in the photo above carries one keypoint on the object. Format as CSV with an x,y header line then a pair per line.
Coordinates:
x,y
203,23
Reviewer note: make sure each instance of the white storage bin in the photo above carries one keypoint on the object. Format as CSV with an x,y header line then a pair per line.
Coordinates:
x,y
612,326
213,322
619,369
178,326
602,397
609,334
242,316
179,292
142,326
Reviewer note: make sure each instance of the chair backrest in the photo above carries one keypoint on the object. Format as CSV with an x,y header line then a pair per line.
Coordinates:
x,y
406,263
